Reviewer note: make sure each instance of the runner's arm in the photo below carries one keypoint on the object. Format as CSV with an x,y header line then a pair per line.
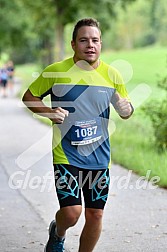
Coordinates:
x,y
36,105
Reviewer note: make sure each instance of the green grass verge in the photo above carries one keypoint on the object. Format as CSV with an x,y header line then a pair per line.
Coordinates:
x,y
147,64
132,146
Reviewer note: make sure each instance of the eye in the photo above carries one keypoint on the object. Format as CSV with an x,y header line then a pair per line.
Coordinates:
x,y
95,40
82,40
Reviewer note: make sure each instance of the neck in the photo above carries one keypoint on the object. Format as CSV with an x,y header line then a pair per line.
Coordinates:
x,y
86,65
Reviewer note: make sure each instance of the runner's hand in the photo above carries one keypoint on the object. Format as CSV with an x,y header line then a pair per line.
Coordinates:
x,y
58,115
122,106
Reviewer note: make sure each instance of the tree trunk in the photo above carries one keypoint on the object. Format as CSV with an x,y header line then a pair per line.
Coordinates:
x,y
46,52
60,42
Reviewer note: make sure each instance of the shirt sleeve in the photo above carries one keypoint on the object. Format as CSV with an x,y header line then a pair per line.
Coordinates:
x,y
42,84
119,84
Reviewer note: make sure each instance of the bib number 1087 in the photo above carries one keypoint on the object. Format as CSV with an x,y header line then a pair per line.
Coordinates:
x,y
86,132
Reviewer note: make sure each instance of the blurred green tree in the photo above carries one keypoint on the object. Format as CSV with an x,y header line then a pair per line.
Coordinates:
x,y
156,110
14,24
67,11
53,16
40,24
142,24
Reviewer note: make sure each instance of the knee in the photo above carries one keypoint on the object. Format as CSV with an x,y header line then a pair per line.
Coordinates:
x,y
93,215
72,214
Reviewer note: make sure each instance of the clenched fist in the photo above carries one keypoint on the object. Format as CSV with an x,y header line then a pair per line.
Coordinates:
x,y
122,106
58,115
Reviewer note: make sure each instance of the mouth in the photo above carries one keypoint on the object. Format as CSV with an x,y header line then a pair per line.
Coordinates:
x,y
90,53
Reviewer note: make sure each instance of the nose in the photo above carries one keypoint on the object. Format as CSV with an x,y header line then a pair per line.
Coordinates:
x,y
90,43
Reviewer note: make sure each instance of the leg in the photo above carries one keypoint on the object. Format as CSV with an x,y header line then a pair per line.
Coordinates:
x,y
92,229
67,217
69,196
95,197
4,84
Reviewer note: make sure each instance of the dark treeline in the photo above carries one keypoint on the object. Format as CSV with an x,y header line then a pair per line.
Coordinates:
x,y
35,30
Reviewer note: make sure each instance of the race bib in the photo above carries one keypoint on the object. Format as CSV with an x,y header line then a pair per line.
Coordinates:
x,y
86,132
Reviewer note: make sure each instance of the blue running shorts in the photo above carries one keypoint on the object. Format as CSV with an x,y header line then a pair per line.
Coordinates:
x,y
71,180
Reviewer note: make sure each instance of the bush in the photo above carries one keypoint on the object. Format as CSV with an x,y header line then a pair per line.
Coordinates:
x,y
157,112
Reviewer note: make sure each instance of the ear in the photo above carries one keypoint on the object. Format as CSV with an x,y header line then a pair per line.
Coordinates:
x,y
73,45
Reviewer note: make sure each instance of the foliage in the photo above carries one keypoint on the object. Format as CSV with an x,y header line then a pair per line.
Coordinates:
x,y
39,25
15,25
157,112
68,11
144,23
33,30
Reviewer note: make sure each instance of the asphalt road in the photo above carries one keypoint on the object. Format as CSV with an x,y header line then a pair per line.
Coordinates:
x,y
135,215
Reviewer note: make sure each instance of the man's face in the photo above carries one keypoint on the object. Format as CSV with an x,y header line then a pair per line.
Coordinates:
x,y
87,45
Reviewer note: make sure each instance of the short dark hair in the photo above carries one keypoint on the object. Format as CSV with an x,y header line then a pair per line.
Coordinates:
x,y
85,22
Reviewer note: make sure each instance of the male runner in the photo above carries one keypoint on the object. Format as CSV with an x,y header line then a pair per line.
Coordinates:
x,y
81,89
